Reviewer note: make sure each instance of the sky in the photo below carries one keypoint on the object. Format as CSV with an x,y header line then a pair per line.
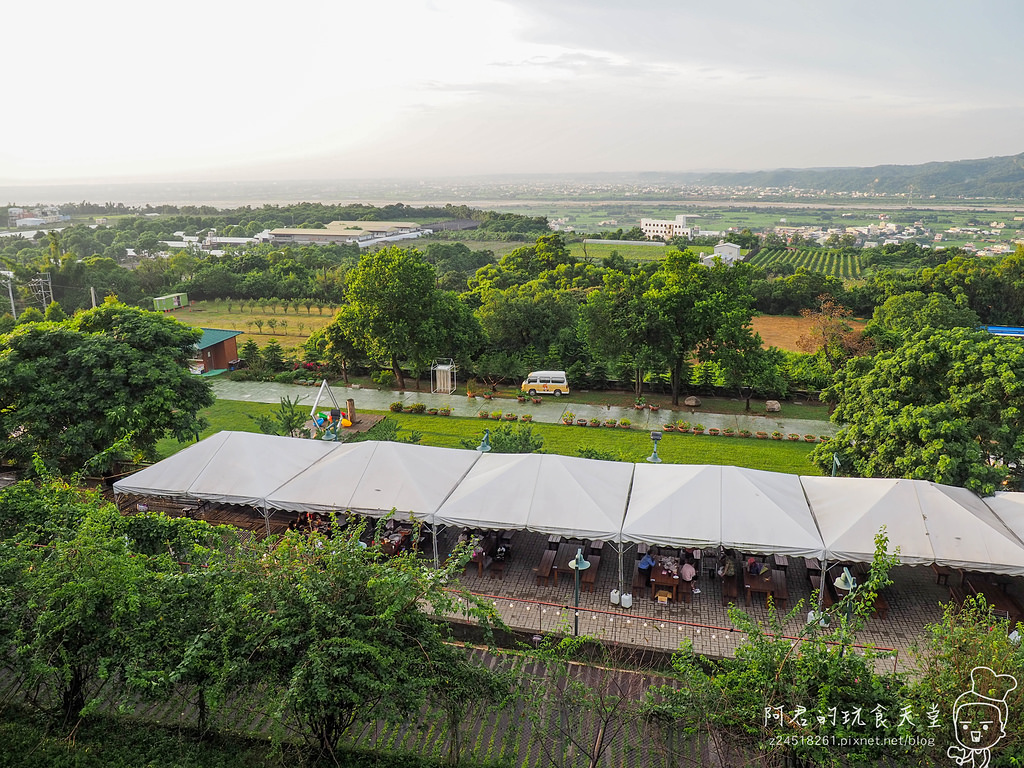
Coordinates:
x,y
108,90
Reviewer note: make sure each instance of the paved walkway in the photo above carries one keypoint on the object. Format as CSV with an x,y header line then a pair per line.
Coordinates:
x,y
550,411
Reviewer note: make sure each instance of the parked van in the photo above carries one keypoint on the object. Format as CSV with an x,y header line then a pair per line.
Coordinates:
x,y
546,383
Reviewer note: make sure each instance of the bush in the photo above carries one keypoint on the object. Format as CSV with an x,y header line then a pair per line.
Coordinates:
x,y
286,377
417,408
383,379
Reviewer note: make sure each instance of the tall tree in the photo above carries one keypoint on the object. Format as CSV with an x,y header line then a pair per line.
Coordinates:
x,y
70,390
944,406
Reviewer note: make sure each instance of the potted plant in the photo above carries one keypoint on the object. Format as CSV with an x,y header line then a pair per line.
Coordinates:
x,y
483,414
744,433
776,435
526,417
625,423
728,432
495,415
698,429
670,427
535,400
521,398
432,411
640,403
762,435
568,417
793,436
714,431
683,426
417,408
488,395
610,422
595,422
396,407
581,422
810,438
511,417
654,408
446,411
823,438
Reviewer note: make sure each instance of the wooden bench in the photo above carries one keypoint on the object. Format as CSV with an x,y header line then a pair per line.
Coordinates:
x,y
498,569
957,595
881,606
543,570
589,575
942,574
730,588
640,583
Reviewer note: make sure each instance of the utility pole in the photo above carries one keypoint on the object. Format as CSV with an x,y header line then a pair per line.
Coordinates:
x,y
92,292
9,278
42,288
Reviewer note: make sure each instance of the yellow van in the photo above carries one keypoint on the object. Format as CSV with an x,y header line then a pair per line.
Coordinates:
x,y
546,383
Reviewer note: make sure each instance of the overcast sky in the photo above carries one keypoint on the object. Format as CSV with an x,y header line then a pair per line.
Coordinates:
x,y
341,89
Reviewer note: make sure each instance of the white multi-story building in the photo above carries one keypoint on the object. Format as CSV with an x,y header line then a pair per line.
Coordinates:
x,y
666,229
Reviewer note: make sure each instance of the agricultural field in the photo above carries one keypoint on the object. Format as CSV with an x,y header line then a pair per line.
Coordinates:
x,y
599,251
784,331
841,264
291,328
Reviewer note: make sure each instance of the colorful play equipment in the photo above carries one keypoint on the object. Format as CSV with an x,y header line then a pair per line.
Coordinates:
x,y
329,421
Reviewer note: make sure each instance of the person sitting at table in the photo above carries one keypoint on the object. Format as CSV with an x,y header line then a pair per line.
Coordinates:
x,y
645,565
753,567
688,573
726,567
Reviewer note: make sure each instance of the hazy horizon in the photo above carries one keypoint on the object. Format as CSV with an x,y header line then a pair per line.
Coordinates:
x,y
455,89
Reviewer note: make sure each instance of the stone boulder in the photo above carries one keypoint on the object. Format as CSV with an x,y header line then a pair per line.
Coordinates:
x,y
692,402
772,406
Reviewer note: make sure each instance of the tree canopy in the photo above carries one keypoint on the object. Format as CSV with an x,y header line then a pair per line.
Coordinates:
x,y
70,390
945,406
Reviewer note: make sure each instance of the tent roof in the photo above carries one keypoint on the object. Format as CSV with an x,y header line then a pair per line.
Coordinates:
x,y
545,493
373,478
675,505
767,512
851,510
229,467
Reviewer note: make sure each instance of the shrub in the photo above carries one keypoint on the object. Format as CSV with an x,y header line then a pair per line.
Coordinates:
x,y
417,408
396,407
383,379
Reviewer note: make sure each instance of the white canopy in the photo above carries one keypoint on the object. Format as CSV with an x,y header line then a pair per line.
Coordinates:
x,y
229,467
551,494
851,510
373,478
767,512
675,505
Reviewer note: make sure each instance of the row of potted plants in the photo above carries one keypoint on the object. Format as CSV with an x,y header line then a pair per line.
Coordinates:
x,y
419,408
569,419
499,416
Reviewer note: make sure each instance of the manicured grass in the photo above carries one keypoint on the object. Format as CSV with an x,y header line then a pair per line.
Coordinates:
x,y
626,444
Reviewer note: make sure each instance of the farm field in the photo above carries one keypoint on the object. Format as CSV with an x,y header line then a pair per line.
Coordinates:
x,y
598,251
839,264
291,330
784,331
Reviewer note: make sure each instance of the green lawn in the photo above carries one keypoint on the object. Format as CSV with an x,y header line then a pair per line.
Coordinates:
x,y
629,445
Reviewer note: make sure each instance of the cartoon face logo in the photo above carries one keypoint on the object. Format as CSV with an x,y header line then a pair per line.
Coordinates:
x,y
979,717
978,725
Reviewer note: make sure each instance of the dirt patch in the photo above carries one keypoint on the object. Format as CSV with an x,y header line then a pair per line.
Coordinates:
x,y
784,332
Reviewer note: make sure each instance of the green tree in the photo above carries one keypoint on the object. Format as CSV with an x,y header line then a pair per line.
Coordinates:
x,y
70,390
945,406
902,316
287,419
273,356
54,313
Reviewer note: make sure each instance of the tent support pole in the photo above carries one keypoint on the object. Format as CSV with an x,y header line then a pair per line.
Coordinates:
x,y
824,586
621,586
266,519
433,531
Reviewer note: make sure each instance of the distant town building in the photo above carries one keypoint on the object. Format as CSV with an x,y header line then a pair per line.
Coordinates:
x,y
729,253
361,232
667,229
35,217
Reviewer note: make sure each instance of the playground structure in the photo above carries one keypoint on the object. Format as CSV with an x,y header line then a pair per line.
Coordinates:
x,y
326,423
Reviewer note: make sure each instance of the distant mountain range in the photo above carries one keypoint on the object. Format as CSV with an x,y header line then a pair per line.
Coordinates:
x,y
999,177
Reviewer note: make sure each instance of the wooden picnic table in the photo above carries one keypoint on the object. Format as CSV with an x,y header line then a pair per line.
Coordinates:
x,y
554,542
661,579
1001,602
781,561
546,566
772,583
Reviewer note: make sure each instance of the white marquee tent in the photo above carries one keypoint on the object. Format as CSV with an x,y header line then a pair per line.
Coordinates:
x,y
669,505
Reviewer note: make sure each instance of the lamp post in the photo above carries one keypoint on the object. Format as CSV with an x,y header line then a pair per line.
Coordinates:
x,y
578,564
654,458
848,584
485,443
